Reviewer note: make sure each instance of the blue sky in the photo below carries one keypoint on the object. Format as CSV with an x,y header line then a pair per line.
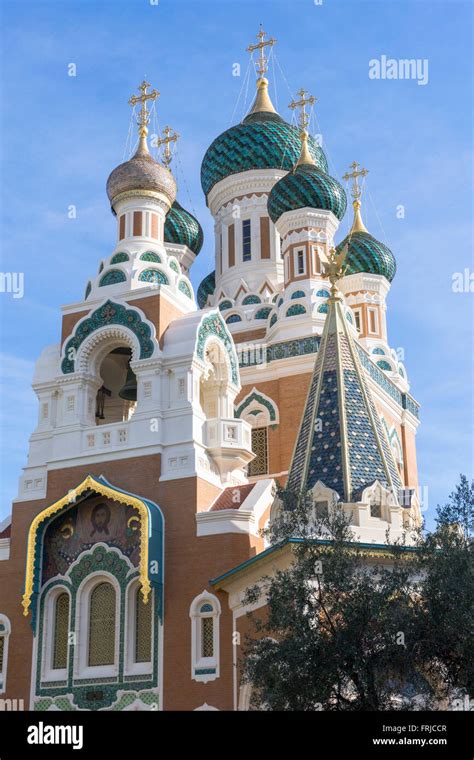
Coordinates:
x,y
62,135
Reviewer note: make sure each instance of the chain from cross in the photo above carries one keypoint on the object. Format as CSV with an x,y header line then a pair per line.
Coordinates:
x,y
302,103
169,137
356,190
260,45
143,116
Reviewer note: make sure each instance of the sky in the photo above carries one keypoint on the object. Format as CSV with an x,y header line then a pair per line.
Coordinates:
x,y
61,135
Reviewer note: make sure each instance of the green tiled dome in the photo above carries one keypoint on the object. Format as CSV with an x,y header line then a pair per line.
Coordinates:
x,y
306,186
183,228
206,288
366,254
262,140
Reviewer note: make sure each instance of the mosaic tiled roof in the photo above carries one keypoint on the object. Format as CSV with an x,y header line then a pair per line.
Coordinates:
x,y
366,254
262,140
206,288
341,441
306,186
141,172
183,228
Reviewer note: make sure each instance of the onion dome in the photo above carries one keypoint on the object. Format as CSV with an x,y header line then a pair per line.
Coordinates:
x,y
263,140
141,172
364,252
182,228
206,288
306,185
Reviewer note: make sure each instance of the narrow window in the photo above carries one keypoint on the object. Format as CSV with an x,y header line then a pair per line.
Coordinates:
x,y
122,227
102,625
204,612
61,630
154,226
264,237
207,636
246,240
143,622
137,223
231,245
4,634
300,263
373,321
259,465
316,261
357,319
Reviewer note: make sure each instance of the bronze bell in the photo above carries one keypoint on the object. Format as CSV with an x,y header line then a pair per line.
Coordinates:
x,y
129,390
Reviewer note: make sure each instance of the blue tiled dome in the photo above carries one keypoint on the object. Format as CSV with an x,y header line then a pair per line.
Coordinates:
x,y
183,228
262,140
306,186
366,254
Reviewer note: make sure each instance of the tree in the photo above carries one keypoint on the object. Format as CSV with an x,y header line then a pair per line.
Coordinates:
x,y
446,610
346,631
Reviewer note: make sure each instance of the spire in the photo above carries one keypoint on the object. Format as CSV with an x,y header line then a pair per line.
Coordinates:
x,y
341,441
356,192
262,100
303,120
143,115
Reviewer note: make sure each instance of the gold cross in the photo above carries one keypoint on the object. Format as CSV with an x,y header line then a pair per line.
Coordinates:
x,y
356,190
143,116
302,103
260,45
169,137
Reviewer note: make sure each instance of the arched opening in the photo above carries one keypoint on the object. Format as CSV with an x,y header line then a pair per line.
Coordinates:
x,y
214,383
116,398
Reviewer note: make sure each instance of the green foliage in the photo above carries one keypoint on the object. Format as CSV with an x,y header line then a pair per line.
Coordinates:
x,y
346,630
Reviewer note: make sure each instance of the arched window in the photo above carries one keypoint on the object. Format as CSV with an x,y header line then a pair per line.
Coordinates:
x,y
298,294
323,308
296,309
225,305
205,611
4,636
263,313
101,650
138,631
112,277
60,631
233,318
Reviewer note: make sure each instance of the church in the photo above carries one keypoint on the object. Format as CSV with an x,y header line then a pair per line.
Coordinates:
x,y
166,419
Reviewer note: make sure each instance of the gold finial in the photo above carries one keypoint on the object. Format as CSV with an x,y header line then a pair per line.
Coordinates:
x,y
303,119
169,137
260,45
334,269
356,192
143,115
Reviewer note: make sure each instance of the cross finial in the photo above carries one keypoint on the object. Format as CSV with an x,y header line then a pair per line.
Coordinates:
x,y
356,190
302,103
169,136
260,45
143,115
